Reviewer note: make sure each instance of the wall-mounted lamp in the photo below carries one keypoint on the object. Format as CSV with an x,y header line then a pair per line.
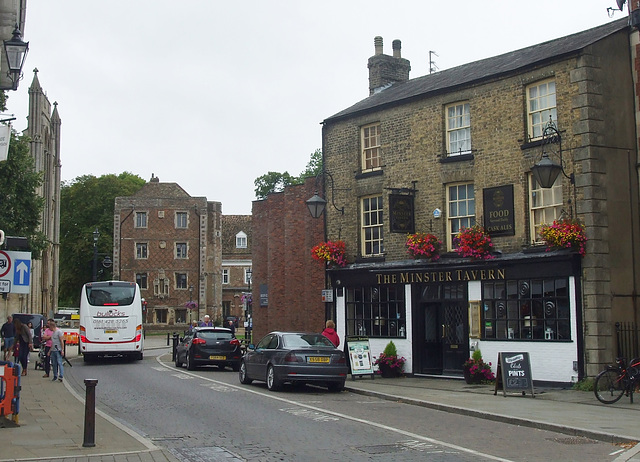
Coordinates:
x,y
317,204
15,51
546,171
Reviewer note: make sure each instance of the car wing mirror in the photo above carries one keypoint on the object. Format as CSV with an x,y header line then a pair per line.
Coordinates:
x,y
251,346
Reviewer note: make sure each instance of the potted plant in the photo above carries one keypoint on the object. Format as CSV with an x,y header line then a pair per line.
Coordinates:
x,y
389,363
473,242
475,370
423,245
565,234
330,253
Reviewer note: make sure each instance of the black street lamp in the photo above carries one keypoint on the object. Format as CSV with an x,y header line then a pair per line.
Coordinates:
x,y
96,235
15,51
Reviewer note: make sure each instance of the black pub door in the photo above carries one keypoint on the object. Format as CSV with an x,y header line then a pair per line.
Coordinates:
x,y
443,327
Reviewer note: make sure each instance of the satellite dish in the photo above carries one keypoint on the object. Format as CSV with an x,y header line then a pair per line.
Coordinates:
x,y
621,3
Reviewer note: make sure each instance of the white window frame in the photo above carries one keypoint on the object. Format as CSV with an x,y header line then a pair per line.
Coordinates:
x,y
186,280
241,240
178,223
140,278
225,275
461,209
372,225
545,206
178,253
371,147
142,250
541,103
141,220
458,118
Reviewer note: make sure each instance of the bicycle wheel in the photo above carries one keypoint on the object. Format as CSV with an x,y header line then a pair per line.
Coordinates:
x,y
609,386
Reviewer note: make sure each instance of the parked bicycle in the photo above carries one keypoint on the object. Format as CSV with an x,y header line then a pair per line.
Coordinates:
x,y
618,380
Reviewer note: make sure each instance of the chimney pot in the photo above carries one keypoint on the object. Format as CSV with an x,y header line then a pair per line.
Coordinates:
x,y
397,46
377,43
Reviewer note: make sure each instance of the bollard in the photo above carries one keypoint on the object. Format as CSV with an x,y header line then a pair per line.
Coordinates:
x,y
176,339
167,338
90,414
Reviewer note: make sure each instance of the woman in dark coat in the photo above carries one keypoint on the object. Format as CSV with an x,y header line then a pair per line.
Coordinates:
x,y
24,342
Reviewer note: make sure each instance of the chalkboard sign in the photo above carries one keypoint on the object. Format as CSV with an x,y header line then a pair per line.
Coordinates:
x,y
514,373
359,355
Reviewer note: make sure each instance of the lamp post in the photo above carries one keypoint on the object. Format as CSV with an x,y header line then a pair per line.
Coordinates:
x,y
96,235
248,308
15,51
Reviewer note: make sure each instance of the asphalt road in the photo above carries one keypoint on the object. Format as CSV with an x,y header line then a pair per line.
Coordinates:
x,y
207,415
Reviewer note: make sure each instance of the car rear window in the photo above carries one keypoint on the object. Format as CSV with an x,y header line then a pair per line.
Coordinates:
x,y
304,340
212,335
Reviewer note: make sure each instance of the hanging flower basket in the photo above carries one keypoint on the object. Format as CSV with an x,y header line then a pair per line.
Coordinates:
x,y
191,305
330,253
423,245
473,242
565,234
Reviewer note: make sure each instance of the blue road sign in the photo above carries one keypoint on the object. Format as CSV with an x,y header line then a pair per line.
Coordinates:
x,y
22,272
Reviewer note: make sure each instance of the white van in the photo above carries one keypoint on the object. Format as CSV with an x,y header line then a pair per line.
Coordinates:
x,y
111,320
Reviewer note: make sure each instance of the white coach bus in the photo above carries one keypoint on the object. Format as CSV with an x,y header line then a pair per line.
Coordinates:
x,y
111,320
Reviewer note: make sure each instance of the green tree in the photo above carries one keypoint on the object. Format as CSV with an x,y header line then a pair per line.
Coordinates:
x,y
276,181
20,205
87,203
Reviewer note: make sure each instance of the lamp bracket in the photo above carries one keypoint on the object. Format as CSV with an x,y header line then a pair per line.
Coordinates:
x,y
323,173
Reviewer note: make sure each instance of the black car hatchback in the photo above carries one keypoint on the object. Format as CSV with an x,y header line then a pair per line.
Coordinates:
x,y
204,346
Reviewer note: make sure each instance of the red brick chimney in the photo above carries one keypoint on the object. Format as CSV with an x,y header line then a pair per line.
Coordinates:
x,y
385,70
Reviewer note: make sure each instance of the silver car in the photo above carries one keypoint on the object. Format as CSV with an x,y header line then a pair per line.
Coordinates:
x,y
294,357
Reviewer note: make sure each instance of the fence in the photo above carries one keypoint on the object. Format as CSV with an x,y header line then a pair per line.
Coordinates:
x,y
627,340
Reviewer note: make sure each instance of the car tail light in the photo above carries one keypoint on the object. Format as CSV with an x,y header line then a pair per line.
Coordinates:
x,y
198,341
292,358
341,360
235,341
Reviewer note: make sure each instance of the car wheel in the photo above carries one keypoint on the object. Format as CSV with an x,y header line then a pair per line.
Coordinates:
x,y
190,365
235,367
335,386
140,356
273,383
178,362
242,375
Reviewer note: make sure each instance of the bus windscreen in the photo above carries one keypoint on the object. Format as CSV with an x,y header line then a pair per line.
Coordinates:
x,y
114,295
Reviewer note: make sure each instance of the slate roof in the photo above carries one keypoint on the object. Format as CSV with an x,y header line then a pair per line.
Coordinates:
x,y
493,67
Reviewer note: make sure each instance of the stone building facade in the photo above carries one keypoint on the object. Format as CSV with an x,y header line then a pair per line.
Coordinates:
x,y
170,244
44,129
286,282
445,151
236,272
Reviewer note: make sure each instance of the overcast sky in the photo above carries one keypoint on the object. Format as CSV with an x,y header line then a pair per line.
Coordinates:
x,y
212,94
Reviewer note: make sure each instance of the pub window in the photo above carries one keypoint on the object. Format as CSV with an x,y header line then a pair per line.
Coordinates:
x,y
546,205
372,223
526,309
462,210
541,107
371,148
376,311
458,129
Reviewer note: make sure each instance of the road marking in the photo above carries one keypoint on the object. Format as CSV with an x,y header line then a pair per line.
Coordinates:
x,y
309,414
386,428
220,388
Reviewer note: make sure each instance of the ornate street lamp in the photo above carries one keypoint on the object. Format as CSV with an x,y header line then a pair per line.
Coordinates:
x,y
546,171
96,236
317,204
15,51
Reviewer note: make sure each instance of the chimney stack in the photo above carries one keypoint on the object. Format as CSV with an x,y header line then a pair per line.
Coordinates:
x,y
385,70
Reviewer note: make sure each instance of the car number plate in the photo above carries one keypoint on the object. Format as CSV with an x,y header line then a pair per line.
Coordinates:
x,y
213,358
318,359
110,331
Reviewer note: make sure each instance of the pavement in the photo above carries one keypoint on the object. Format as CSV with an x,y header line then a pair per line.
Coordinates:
x,y
51,418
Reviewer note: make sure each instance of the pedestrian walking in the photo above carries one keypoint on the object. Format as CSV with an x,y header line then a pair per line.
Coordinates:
x,y
8,332
33,333
57,351
24,340
330,332
46,338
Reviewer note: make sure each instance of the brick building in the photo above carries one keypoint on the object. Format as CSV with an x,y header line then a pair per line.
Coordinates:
x,y
170,244
236,267
286,282
456,148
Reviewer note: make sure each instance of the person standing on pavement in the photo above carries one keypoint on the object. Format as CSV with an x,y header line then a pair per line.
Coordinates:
x,y
330,333
8,332
57,351
25,343
46,338
232,327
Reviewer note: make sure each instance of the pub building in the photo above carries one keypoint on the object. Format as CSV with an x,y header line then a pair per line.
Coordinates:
x,y
510,143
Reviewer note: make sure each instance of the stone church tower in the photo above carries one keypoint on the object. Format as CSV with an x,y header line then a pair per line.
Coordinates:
x,y
44,130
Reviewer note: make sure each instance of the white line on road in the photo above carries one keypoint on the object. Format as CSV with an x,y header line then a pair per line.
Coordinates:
x,y
343,416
